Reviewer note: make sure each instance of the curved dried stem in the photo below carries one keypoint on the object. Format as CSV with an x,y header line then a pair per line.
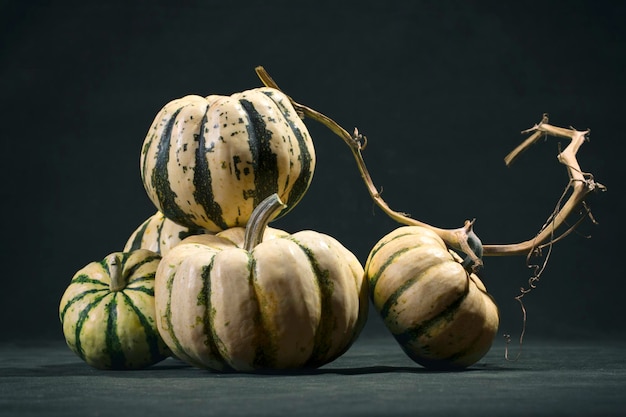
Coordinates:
x,y
462,239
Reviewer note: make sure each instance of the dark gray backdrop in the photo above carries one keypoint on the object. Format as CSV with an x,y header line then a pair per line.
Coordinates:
x,y
442,90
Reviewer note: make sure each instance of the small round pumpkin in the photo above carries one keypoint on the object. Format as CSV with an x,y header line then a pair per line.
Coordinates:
x,y
207,162
158,234
440,314
107,312
260,299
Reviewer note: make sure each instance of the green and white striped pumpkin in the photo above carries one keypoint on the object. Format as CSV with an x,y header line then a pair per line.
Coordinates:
x,y
207,162
108,313
441,315
288,302
159,234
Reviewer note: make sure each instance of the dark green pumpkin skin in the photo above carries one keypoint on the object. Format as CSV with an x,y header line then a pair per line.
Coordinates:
x,y
207,162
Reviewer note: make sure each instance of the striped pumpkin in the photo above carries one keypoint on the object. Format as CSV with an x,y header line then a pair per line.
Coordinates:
x,y
158,234
208,161
441,315
107,312
290,302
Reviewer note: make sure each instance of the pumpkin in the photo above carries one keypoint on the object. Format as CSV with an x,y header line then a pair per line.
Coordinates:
x,y
207,162
108,315
440,314
158,234
259,298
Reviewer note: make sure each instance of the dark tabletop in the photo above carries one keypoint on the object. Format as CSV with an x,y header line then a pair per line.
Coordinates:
x,y
373,378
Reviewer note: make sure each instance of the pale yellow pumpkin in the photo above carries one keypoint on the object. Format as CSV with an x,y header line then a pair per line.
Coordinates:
x,y
440,314
228,302
207,162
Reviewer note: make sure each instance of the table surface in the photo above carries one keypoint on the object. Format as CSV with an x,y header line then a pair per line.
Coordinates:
x,y
374,378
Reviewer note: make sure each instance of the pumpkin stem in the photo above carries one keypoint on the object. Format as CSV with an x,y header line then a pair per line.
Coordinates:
x,y
114,266
260,218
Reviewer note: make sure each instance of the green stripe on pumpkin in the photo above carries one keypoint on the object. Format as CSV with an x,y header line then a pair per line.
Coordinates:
x,y
132,270
112,340
449,361
152,338
301,183
373,280
169,327
446,315
202,180
213,342
159,229
81,296
323,333
382,243
84,316
266,350
86,279
139,234
392,300
264,160
160,175
144,290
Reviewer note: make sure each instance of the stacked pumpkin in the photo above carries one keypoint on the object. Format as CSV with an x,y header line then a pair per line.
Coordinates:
x,y
204,277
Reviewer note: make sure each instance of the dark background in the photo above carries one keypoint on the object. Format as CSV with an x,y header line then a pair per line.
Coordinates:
x,y
441,89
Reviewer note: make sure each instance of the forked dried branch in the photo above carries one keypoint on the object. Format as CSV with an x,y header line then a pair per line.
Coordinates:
x,y
580,183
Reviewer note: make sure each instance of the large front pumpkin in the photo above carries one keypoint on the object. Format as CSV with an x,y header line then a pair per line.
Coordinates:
x,y
207,162
440,314
107,312
292,301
